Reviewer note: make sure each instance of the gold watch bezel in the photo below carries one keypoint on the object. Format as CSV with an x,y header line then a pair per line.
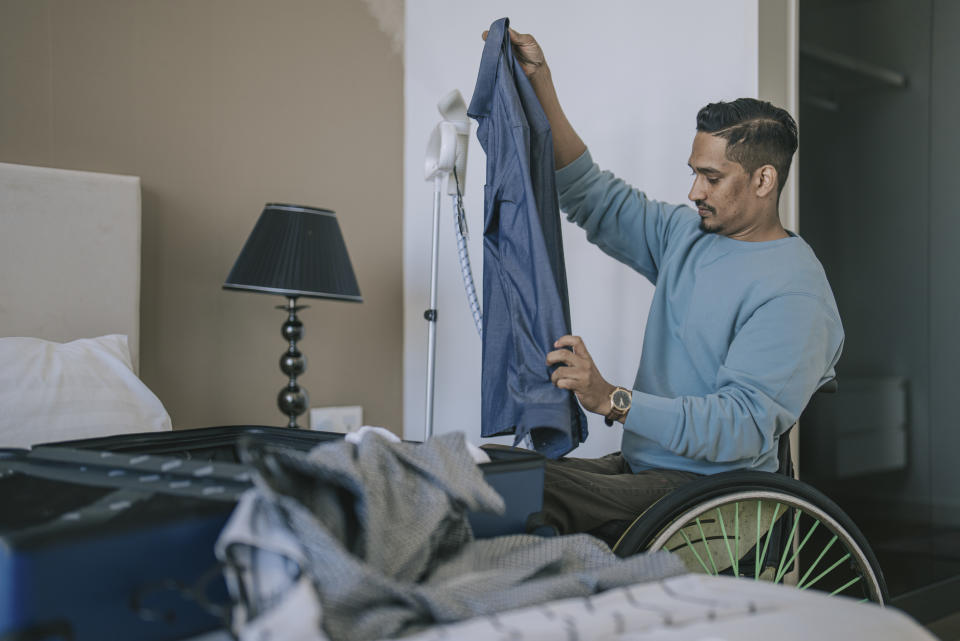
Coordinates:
x,y
617,413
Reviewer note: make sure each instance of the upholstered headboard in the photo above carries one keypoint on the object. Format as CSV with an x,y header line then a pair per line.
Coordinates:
x,y
69,254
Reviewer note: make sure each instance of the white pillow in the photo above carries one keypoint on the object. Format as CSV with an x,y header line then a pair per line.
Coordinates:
x,y
81,389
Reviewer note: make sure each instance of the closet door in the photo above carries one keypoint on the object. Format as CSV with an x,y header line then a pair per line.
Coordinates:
x,y
945,275
865,145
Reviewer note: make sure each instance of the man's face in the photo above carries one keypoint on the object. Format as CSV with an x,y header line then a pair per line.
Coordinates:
x,y
721,189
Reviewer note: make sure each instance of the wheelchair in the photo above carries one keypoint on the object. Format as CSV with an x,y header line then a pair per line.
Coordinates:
x,y
762,526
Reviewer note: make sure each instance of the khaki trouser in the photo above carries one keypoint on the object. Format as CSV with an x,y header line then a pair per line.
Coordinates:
x,y
602,496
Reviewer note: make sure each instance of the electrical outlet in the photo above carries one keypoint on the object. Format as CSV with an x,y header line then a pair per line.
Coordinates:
x,y
342,419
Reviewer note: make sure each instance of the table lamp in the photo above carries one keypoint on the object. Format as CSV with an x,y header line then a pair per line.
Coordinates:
x,y
295,251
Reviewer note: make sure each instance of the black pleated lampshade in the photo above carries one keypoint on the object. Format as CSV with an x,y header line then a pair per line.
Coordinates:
x,y
295,251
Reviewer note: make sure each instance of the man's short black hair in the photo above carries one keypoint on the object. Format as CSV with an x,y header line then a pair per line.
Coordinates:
x,y
757,133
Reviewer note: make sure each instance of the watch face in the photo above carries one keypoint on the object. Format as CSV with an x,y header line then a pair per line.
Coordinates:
x,y
621,399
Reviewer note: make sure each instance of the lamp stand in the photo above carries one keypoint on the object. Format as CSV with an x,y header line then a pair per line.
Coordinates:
x,y
292,399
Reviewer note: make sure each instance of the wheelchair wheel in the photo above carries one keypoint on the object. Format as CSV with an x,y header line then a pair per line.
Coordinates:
x,y
760,526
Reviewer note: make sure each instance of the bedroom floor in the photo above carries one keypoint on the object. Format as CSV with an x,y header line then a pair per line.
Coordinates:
x,y
946,629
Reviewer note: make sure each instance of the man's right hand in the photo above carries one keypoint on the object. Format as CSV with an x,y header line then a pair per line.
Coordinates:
x,y
527,50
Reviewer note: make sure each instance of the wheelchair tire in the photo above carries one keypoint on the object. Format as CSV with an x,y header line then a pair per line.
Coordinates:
x,y
690,521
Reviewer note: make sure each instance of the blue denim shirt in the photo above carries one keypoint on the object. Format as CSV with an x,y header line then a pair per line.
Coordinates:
x,y
524,279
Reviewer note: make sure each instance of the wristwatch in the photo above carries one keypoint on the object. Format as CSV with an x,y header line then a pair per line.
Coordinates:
x,y
620,401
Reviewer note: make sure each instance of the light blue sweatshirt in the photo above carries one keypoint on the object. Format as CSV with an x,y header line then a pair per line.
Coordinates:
x,y
739,336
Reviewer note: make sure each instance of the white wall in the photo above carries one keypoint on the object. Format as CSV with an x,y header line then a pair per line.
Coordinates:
x,y
631,76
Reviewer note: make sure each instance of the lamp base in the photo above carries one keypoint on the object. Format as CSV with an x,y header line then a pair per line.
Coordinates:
x,y
292,399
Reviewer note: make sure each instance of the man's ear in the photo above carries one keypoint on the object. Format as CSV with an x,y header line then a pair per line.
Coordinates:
x,y
765,179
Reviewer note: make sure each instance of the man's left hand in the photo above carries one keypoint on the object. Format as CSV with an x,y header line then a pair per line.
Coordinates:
x,y
578,373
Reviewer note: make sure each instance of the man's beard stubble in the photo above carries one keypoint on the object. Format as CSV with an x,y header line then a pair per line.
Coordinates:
x,y
707,230
703,221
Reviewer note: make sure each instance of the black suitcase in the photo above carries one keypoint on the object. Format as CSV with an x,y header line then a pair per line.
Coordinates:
x,y
516,474
96,545
112,538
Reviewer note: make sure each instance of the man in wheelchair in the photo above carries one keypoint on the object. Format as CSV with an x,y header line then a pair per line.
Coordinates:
x,y
742,330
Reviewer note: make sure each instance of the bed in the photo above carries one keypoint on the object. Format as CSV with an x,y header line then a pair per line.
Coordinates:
x,y
69,356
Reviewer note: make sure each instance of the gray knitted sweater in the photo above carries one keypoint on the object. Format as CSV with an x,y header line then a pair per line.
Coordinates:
x,y
380,531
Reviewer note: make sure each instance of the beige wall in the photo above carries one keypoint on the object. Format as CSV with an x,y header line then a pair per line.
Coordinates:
x,y
221,106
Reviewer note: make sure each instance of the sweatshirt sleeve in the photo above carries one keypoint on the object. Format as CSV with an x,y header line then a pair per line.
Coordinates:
x,y
619,219
774,365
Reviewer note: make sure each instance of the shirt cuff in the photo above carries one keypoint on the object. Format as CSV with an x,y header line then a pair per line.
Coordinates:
x,y
574,171
654,417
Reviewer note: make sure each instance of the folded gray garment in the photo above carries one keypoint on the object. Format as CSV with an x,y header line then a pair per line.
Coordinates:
x,y
380,529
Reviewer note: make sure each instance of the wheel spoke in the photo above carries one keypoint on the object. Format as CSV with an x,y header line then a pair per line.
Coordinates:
x,y
706,546
825,572
733,560
851,582
766,544
694,550
803,542
782,569
736,530
756,545
822,553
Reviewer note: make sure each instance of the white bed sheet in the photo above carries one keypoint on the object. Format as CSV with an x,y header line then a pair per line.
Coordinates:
x,y
691,607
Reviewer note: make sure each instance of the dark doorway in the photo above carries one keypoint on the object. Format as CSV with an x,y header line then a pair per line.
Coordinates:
x,y
880,138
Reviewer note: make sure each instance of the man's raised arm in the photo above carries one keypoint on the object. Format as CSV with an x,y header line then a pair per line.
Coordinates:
x,y
567,145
